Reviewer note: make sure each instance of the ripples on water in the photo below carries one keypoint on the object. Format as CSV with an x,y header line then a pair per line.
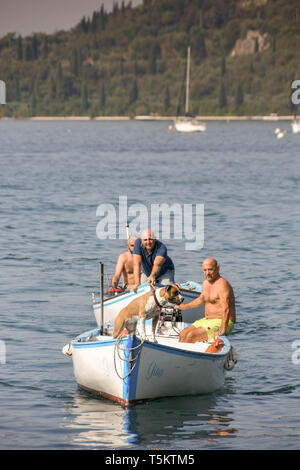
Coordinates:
x,y
53,177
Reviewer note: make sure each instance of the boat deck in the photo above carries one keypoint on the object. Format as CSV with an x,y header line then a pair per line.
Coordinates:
x,y
169,340
172,341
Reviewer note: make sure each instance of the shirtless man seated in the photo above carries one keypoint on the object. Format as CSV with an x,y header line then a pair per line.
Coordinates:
x,y
124,267
218,297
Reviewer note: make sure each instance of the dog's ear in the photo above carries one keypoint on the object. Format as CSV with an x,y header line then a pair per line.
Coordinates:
x,y
168,287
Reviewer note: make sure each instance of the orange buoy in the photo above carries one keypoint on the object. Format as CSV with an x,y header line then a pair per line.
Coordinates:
x,y
215,346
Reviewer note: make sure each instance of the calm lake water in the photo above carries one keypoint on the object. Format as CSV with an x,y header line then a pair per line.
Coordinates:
x,y
54,175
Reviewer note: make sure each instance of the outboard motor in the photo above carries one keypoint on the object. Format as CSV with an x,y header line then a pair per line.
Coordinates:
x,y
170,314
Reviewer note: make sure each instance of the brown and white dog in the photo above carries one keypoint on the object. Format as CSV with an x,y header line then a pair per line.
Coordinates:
x,y
144,308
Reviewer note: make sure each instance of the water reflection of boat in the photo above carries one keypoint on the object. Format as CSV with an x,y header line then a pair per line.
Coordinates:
x,y
295,126
101,423
98,422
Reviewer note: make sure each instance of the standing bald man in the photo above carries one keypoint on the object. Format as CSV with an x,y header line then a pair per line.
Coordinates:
x,y
150,256
218,297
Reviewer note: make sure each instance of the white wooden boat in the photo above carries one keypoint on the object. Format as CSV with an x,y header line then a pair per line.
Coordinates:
x,y
189,125
186,123
114,304
129,370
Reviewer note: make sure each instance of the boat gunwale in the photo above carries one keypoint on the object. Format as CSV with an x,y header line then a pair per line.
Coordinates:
x,y
116,298
79,344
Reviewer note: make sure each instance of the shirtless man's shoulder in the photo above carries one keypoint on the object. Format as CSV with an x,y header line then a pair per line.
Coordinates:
x,y
124,256
213,291
217,284
128,258
220,282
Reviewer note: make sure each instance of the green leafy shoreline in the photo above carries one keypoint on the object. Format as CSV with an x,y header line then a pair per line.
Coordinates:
x,y
131,61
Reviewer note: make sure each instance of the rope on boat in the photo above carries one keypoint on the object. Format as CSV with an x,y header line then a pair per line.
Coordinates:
x,y
132,361
174,327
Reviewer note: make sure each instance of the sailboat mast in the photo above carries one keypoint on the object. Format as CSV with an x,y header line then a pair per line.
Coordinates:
x,y
187,80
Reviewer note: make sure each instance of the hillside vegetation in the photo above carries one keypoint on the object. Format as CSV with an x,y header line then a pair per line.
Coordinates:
x,y
132,61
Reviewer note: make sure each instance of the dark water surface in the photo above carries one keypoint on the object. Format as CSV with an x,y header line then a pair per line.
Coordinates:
x,y
54,175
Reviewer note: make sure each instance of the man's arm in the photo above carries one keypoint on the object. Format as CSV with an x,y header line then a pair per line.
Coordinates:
x,y
137,262
120,268
158,262
224,294
193,304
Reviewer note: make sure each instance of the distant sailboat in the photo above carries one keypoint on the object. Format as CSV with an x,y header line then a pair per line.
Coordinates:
x,y
188,123
295,125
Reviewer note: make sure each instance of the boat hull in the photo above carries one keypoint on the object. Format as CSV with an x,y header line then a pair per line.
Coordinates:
x,y
129,371
113,305
189,126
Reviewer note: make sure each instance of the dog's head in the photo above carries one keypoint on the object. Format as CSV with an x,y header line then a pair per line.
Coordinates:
x,y
172,294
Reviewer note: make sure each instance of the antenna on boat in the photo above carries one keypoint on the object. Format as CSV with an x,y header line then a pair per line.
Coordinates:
x,y
101,297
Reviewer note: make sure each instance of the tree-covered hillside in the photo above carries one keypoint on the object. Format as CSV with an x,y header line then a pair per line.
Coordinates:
x,y
131,61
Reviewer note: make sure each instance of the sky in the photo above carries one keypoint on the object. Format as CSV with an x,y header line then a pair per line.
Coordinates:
x,y
25,17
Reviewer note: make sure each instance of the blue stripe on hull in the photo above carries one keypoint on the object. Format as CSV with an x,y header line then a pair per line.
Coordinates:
x,y
130,383
120,297
115,301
